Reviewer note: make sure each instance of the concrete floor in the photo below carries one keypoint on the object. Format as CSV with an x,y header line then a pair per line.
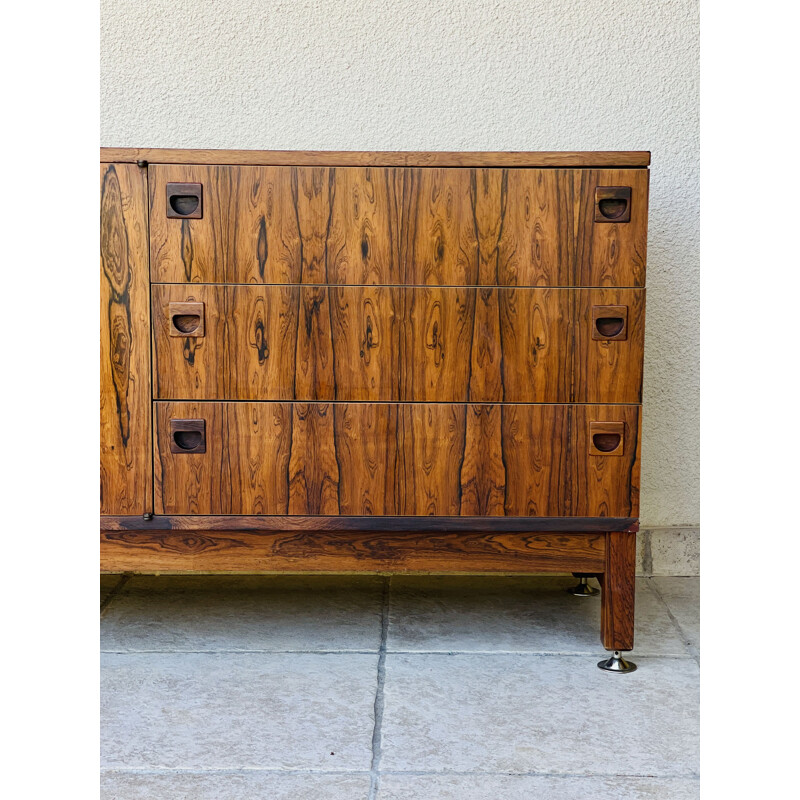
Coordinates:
x,y
293,688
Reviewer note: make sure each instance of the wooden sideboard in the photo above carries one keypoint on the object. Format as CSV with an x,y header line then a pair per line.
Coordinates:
x,y
388,362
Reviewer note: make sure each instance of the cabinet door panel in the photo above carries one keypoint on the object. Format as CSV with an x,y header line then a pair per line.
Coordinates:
x,y
126,479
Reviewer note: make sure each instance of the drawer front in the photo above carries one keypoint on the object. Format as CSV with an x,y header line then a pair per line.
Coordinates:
x,y
349,225
396,459
379,343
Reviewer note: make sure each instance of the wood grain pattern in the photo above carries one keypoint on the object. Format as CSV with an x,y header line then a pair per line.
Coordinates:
x,y
539,475
356,158
390,225
126,479
397,344
412,459
606,486
537,246
619,592
436,227
364,242
314,464
317,551
255,476
430,452
435,337
366,342
366,446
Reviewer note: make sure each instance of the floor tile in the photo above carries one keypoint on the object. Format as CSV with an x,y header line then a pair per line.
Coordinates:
x,y
274,613
682,596
107,584
550,714
532,614
533,787
237,711
232,786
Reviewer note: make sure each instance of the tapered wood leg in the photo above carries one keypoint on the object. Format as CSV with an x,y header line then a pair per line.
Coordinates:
x,y
619,584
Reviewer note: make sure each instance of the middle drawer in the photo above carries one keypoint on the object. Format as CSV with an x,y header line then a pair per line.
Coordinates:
x,y
412,344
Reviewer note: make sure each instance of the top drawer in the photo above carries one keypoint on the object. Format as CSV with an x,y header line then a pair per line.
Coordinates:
x,y
375,225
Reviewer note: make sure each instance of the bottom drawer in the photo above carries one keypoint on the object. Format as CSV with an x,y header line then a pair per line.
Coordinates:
x,y
354,459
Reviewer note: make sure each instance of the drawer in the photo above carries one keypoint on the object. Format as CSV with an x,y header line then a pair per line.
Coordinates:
x,y
351,225
357,459
409,344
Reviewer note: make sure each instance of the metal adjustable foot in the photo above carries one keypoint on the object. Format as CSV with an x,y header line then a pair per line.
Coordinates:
x,y
617,663
583,589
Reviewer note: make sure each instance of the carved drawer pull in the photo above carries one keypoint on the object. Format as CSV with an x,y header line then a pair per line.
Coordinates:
x,y
187,436
184,200
606,438
187,319
610,323
612,204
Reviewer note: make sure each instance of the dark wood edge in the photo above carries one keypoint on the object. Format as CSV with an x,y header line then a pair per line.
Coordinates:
x,y
355,158
372,524
207,551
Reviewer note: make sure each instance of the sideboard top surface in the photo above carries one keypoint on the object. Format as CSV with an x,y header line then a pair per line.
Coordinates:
x,y
356,158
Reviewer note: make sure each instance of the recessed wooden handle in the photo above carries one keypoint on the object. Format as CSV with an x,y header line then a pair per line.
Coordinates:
x,y
612,204
187,436
185,200
187,319
610,323
606,438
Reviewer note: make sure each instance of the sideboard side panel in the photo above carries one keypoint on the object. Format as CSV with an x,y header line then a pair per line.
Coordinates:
x,y
126,482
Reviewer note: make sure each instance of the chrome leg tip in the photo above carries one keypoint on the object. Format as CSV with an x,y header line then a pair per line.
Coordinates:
x,y
617,663
583,589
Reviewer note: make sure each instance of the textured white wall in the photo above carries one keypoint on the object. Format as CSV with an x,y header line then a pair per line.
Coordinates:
x,y
449,75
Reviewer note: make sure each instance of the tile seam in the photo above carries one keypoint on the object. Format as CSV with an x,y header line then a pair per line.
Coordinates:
x,y
531,653
375,775
691,649
689,776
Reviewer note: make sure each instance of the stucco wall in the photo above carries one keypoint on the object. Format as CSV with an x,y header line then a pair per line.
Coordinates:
x,y
448,75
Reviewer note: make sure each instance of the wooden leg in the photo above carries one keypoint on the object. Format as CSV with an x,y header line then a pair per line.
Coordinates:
x,y
618,583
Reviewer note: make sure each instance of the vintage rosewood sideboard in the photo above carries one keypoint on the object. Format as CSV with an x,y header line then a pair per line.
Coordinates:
x,y
389,362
